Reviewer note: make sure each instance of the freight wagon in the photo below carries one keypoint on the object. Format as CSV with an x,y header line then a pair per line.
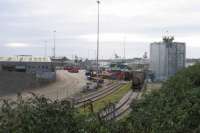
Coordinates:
x,y
138,78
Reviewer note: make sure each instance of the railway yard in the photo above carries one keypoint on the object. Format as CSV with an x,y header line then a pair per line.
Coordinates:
x,y
117,93
99,66
107,97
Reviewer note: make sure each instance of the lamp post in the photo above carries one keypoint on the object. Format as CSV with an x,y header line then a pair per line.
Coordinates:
x,y
98,3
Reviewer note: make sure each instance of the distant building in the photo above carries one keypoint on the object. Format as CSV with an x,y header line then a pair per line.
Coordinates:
x,y
166,58
42,67
60,61
139,64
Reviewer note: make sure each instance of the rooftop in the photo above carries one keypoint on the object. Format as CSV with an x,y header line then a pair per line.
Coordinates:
x,y
24,58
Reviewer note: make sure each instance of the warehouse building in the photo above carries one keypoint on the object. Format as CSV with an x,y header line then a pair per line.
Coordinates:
x,y
166,58
40,66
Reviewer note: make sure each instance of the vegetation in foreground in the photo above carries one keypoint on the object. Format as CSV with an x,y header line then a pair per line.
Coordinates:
x,y
175,108
172,109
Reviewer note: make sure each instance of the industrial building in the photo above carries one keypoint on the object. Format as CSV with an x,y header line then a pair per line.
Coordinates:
x,y
166,58
139,64
42,67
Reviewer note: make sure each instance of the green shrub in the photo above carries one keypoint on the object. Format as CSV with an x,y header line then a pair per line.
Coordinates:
x,y
39,115
173,109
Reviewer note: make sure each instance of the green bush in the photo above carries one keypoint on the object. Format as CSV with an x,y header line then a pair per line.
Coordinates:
x,y
39,115
173,109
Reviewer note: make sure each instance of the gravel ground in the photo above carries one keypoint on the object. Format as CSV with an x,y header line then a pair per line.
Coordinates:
x,y
67,84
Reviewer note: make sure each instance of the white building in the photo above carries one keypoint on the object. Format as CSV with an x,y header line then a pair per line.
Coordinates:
x,y
166,58
42,67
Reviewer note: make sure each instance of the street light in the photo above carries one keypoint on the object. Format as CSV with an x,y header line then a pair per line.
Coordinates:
x,y
98,3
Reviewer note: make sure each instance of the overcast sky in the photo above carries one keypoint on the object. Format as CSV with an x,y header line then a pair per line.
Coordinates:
x,y
25,25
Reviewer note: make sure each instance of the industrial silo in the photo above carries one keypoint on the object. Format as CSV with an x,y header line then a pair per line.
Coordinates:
x,y
166,58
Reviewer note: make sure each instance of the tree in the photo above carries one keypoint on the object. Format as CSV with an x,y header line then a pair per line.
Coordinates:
x,y
39,115
173,109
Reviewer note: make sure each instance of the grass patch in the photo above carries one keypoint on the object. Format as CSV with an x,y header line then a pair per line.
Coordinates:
x,y
152,87
114,97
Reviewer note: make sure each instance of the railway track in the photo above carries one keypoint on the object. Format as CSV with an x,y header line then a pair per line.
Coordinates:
x,y
122,107
98,94
125,108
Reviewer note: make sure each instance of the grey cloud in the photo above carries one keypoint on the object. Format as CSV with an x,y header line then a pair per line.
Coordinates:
x,y
32,22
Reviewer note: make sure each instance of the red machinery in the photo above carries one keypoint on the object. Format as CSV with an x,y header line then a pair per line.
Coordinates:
x,y
67,68
72,69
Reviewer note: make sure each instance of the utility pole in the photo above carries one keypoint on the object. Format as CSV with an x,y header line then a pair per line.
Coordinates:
x,y
54,43
98,3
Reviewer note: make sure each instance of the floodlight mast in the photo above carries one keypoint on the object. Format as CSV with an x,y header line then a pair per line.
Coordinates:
x,y
98,3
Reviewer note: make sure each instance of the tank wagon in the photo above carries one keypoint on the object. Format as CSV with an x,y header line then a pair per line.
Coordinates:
x,y
138,78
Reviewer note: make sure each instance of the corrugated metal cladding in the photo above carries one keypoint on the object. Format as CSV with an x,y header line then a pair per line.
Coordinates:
x,y
28,64
166,59
24,59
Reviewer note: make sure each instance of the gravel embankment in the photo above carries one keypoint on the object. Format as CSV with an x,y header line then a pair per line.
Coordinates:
x,y
66,85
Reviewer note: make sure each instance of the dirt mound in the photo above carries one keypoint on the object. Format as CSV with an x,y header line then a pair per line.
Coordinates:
x,y
66,85
14,82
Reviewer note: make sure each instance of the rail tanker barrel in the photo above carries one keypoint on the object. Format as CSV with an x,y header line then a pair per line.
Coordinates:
x,y
138,78
127,76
